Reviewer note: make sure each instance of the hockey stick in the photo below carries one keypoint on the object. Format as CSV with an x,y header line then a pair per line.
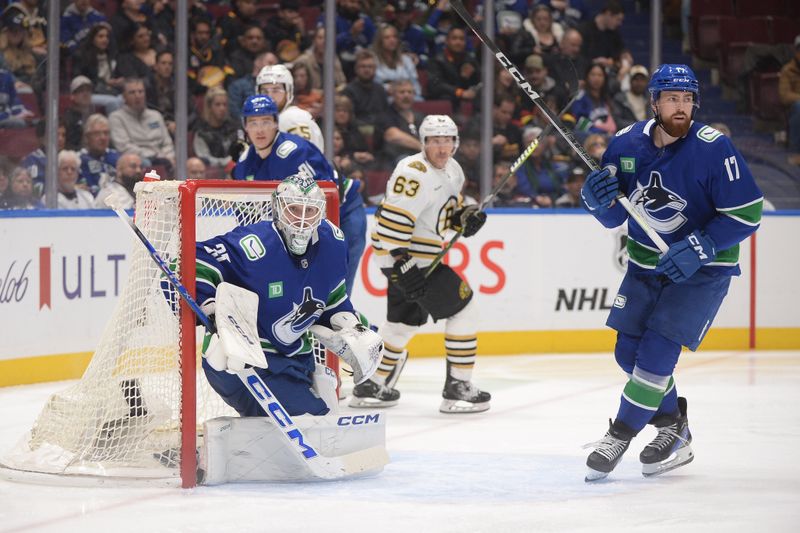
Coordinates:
x,y
567,134
516,165
320,466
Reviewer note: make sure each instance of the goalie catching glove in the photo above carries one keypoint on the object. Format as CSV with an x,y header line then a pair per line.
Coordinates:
x,y
468,220
356,344
236,343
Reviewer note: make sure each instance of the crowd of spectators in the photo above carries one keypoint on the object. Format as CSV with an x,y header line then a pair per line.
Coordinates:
x,y
393,59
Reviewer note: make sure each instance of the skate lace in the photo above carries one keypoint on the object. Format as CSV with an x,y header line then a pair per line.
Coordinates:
x,y
666,436
609,447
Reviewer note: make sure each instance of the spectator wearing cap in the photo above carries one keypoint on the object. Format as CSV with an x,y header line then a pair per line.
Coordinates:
x,y
633,104
25,13
537,75
232,25
18,55
76,21
13,113
70,196
313,57
98,159
602,40
80,99
393,64
139,130
789,93
572,195
286,31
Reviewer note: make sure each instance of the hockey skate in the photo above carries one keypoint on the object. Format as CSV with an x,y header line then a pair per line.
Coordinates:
x,y
608,451
463,397
671,447
372,394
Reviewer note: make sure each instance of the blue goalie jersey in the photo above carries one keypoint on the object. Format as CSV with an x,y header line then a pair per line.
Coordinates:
x,y
699,182
295,292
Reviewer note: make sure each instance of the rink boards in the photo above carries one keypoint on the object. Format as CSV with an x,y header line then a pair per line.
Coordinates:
x,y
544,281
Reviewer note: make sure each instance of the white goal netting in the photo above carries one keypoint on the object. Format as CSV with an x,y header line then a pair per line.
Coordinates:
x,y
123,417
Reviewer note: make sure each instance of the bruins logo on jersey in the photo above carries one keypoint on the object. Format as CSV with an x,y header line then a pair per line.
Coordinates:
x,y
418,165
464,291
445,213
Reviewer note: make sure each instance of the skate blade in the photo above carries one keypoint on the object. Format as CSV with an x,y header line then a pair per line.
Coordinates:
x,y
462,406
682,456
594,475
368,403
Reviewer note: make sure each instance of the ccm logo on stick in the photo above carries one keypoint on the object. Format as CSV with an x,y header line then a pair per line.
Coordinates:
x,y
358,420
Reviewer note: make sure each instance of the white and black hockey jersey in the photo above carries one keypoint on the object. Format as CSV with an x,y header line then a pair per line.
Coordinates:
x,y
416,210
300,122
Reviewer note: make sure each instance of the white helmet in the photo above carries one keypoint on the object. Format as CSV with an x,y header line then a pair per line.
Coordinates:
x,y
298,207
277,74
438,126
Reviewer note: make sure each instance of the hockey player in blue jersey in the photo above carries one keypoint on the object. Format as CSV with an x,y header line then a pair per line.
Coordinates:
x,y
296,265
274,155
693,187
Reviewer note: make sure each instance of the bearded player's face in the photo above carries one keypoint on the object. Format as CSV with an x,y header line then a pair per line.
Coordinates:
x,y
675,108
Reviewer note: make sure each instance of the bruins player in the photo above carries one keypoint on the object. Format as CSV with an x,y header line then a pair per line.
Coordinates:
x,y
423,200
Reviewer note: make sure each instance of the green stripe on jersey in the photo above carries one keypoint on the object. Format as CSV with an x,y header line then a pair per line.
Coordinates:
x,y
642,255
746,214
209,274
336,296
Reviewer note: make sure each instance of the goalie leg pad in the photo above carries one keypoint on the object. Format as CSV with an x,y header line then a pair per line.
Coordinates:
x,y
237,450
294,393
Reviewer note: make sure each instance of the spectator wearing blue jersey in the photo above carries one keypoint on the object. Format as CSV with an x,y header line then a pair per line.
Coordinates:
x,y
541,177
13,113
36,162
693,188
354,31
76,21
594,108
98,159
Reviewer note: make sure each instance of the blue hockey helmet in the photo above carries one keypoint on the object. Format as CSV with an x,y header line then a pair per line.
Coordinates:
x,y
670,77
259,105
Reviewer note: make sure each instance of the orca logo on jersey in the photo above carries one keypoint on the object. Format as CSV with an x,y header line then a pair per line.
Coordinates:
x,y
660,206
290,326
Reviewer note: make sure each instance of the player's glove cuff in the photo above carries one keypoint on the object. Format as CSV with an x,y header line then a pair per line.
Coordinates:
x,y
468,220
686,256
600,190
407,276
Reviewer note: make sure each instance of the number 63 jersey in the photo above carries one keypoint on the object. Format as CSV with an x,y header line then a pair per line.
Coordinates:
x,y
416,210
699,182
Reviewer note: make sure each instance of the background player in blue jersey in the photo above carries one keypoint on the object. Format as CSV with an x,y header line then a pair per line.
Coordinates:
x,y
296,265
274,155
694,188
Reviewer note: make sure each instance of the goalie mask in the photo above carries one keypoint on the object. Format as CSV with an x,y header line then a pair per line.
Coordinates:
x,y
279,75
298,207
439,126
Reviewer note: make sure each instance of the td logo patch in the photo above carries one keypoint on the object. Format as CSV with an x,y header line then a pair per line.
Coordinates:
x,y
628,164
275,290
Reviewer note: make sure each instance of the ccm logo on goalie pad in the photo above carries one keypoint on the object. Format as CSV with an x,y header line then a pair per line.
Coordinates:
x,y
240,330
280,416
358,420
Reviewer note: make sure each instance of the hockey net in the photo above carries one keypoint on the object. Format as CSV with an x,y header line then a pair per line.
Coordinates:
x,y
138,410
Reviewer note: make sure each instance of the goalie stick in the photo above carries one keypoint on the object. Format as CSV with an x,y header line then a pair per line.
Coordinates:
x,y
516,165
523,84
320,466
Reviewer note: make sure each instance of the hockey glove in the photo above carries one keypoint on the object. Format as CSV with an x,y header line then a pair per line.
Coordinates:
x,y
685,257
408,278
600,189
468,220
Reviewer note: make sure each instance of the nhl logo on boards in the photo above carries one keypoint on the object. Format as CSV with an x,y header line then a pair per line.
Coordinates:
x,y
619,301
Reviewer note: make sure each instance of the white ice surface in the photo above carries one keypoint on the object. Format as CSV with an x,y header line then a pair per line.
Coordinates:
x,y
518,467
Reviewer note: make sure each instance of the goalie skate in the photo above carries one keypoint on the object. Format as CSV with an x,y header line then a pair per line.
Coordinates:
x,y
670,448
607,451
371,394
463,397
